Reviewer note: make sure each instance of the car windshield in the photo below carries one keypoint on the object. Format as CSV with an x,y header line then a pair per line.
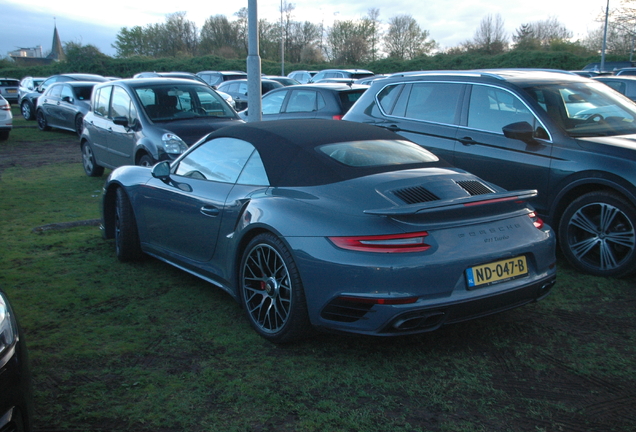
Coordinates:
x,y
181,101
586,109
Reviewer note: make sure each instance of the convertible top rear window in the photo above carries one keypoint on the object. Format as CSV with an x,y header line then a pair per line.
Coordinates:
x,y
375,153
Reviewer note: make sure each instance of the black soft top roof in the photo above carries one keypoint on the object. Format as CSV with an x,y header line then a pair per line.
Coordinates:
x,y
289,152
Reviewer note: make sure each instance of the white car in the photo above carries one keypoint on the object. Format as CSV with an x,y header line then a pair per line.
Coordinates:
x,y
6,119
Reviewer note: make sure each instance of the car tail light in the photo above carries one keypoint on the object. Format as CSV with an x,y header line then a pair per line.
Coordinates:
x,y
337,117
536,220
5,106
393,243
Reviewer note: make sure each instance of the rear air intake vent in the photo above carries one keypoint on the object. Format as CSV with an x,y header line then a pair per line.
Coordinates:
x,y
474,187
415,194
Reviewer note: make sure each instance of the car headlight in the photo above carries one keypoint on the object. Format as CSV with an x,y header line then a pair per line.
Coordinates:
x,y
7,328
173,144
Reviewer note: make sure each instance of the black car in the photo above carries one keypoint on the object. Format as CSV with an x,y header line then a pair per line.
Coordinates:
x,y
16,403
238,90
329,101
63,105
28,102
571,138
9,89
141,121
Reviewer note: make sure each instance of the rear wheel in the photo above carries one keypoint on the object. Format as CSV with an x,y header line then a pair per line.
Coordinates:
x,y
4,135
43,125
597,234
126,235
272,292
79,124
146,161
88,161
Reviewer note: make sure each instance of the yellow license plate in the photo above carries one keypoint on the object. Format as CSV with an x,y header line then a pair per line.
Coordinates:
x,y
12,91
498,271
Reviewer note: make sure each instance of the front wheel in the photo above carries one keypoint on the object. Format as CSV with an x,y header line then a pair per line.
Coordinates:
x,y
145,161
88,161
43,125
597,234
26,108
272,291
79,124
127,243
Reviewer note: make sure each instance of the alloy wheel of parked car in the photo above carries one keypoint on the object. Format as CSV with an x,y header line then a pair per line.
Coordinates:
x,y
42,123
79,124
126,235
146,161
26,108
272,291
597,234
88,161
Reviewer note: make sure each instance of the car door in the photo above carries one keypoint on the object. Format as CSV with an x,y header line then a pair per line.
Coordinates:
x,y
485,151
98,126
428,113
66,107
49,103
121,139
302,103
272,104
182,216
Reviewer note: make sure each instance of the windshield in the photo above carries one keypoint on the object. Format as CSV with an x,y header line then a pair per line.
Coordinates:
x,y
586,109
181,101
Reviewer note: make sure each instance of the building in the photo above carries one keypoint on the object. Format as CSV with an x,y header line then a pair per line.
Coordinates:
x,y
35,57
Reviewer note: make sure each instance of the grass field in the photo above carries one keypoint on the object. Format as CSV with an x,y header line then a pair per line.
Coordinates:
x,y
145,347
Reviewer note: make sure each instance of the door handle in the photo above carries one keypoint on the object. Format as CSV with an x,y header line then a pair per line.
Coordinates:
x,y
467,141
210,211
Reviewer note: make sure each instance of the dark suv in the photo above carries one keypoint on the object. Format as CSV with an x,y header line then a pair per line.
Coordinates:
x,y
571,138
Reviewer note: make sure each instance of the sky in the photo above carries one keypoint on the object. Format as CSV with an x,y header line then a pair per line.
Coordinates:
x,y
29,23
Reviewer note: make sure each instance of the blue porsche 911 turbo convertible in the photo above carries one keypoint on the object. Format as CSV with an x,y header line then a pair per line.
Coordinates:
x,y
322,224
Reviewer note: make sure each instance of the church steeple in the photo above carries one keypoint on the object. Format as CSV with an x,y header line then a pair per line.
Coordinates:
x,y
57,53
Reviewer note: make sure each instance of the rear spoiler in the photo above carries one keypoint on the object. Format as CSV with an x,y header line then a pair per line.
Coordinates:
x,y
455,204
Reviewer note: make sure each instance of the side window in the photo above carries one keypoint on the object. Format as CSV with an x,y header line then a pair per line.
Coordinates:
x,y
388,96
431,101
55,91
243,88
67,91
121,104
302,101
220,159
254,172
272,103
491,109
102,101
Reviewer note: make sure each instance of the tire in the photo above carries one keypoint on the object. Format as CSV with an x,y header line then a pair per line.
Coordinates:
x,y
4,135
88,161
127,244
272,292
146,161
597,234
79,124
42,123
26,108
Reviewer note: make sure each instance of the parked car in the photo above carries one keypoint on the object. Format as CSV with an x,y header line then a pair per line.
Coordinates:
x,y
329,101
302,76
9,89
625,71
569,137
142,121
238,90
281,79
6,119
28,103
214,78
16,395
625,84
341,73
63,105
335,225
27,85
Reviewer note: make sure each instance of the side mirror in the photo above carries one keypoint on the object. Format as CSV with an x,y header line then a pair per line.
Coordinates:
x,y
521,131
161,170
121,121
67,99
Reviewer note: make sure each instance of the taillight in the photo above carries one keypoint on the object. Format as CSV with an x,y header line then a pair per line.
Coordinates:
x,y
393,243
536,220
337,117
5,106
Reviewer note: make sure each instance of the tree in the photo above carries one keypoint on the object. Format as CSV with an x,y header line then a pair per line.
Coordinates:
x,y
490,37
347,42
405,39
372,21
220,37
541,34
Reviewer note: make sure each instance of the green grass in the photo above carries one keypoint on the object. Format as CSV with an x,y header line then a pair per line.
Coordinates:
x,y
146,347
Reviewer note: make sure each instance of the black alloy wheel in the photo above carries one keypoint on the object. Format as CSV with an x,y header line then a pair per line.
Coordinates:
x,y
597,234
127,244
272,292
